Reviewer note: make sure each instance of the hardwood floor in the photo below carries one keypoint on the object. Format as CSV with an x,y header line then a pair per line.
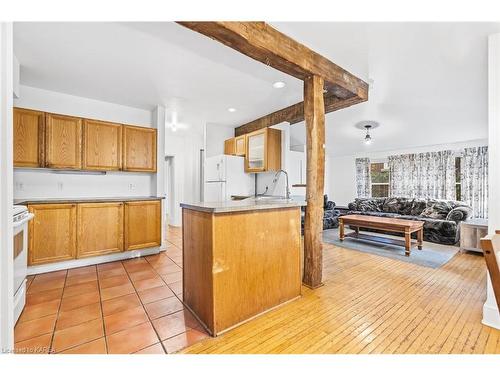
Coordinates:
x,y
371,304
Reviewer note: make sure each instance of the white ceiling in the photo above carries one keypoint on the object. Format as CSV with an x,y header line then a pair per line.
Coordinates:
x,y
429,79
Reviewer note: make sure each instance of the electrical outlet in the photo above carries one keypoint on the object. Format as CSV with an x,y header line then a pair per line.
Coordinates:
x,y
131,186
60,186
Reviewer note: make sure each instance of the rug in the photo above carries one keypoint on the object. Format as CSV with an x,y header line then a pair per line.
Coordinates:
x,y
432,255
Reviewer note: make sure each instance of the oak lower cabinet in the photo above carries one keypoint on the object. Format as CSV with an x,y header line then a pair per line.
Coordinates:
x,y
63,146
52,233
66,231
142,224
102,146
29,127
139,149
100,228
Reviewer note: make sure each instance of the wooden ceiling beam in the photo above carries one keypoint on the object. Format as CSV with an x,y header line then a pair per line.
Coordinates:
x,y
264,43
294,114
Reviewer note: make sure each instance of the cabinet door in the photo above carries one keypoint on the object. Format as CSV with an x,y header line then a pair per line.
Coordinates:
x,y
52,233
28,130
142,224
102,143
255,159
273,150
63,141
139,149
240,145
229,147
99,228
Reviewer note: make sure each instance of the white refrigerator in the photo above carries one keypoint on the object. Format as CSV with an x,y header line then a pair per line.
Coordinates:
x,y
225,176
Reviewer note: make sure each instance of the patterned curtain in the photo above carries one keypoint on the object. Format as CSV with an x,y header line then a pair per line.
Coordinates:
x,y
425,175
363,180
474,180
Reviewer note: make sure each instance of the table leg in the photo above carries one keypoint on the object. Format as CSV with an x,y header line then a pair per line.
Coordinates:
x,y
341,230
407,243
420,238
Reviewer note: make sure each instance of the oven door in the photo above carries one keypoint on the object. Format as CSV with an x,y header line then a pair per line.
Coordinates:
x,y
21,250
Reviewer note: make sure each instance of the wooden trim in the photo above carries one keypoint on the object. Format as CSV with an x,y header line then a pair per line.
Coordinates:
x,y
294,114
264,43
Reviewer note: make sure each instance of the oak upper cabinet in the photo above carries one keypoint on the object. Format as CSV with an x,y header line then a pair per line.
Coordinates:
x,y
63,146
263,151
139,149
29,127
229,147
142,224
102,146
240,145
99,228
52,233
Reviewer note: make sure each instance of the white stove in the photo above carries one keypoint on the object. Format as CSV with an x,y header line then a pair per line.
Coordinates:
x,y
20,227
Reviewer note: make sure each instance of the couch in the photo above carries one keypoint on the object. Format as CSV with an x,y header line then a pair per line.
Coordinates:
x,y
441,217
330,215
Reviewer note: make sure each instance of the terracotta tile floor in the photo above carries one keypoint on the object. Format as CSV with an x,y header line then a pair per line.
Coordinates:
x,y
130,306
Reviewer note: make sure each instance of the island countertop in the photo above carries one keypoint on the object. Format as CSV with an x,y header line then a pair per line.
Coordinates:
x,y
249,204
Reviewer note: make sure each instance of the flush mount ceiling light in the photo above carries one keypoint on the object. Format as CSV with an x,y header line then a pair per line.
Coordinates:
x,y
279,85
367,126
231,109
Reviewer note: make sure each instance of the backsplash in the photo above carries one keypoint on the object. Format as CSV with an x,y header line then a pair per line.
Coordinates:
x,y
55,184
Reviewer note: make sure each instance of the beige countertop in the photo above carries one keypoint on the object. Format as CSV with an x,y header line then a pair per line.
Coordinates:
x,y
25,201
249,204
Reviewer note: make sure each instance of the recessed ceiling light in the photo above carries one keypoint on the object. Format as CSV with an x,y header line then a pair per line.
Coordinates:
x,y
279,85
231,109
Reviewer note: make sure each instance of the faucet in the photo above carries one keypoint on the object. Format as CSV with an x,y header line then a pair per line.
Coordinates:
x,y
276,177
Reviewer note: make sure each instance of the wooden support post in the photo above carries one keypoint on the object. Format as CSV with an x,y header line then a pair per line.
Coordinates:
x,y
314,113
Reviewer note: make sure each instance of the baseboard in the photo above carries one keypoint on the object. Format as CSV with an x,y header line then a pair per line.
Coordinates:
x,y
491,316
35,270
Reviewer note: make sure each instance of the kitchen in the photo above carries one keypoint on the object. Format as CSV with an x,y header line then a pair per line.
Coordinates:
x,y
93,177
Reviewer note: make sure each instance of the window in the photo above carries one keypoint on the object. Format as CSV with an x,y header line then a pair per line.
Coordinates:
x,y
380,180
458,178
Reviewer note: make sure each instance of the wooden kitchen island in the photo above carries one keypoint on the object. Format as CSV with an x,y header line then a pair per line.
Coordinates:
x,y
240,259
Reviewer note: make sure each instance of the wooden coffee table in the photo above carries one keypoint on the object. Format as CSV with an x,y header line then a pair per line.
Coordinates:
x,y
386,224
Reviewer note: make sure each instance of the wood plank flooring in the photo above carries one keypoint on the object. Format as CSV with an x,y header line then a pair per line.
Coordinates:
x,y
372,304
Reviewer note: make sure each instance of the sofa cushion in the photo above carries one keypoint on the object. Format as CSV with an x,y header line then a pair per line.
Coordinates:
x,y
369,204
433,213
418,206
398,205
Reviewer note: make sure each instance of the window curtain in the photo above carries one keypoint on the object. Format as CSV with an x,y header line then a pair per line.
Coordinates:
x,y
363,180
474,180
424,175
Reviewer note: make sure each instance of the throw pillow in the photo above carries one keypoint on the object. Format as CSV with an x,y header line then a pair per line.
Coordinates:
x,y
433,212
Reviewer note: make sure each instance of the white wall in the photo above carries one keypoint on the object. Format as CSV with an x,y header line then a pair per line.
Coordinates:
x,y
215,135
6,246
491,315
341,173
43,183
